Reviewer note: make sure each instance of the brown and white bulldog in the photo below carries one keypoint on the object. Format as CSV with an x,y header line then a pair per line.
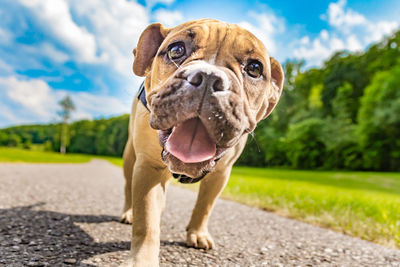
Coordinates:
x,y
207,85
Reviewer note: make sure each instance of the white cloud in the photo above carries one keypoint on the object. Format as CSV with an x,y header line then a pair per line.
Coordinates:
x,y
100,32
28,99
55,17
168,18
267,26
89,104
45,49
319,49
350,30
33,95
34,101
324,35
377,30
305,40
116,26
339,16
90,32
353,44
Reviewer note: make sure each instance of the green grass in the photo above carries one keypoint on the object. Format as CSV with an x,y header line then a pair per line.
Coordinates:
x,y
362,204
38,156
21,155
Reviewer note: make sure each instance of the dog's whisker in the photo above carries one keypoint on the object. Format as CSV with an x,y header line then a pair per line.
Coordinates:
x,y
253,135
177,66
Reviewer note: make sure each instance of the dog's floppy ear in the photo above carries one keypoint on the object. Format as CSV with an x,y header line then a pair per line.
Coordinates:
x,y
277,78
147,47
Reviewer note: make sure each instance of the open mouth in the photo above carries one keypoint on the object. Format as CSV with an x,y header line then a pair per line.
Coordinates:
x,y
190,144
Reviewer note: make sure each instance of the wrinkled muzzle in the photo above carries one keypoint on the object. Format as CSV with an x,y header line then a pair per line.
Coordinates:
x,y
199,113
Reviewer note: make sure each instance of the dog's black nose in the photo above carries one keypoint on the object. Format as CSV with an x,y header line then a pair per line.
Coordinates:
x,y
203,80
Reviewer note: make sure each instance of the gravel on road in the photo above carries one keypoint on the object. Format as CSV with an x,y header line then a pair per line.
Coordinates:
x,y
67,215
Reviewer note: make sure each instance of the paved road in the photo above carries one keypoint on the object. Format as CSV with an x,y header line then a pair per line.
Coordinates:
x,y
67,214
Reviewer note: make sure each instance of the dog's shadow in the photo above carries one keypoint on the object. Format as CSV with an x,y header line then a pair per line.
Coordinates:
x,y
34,237
29,236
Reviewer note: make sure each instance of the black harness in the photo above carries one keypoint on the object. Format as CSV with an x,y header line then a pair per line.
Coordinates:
x,y
180,177
142,96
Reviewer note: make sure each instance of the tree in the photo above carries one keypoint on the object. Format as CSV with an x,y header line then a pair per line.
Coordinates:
x,y
83,137
379,122
67,107
14,140
304,144
3,139
339,131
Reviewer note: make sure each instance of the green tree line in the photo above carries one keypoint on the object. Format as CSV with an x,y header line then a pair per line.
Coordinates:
x,y
343,115
99,137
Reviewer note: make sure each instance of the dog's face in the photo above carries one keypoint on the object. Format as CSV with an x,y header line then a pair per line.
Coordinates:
x,y
207,84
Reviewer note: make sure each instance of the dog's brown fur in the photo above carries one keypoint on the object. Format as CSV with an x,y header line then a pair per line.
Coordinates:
x,y
228,117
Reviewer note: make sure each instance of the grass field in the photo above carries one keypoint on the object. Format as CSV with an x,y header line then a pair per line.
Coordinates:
x,y
37,156
362,204
21,155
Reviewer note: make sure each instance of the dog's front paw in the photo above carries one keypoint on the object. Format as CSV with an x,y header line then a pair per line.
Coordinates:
x,y
142,256
127,217
199,239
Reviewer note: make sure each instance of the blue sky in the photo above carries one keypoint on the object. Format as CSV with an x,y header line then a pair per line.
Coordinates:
x,y
50,48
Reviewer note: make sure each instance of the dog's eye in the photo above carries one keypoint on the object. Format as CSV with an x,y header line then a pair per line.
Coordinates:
x,y
254,69
176,50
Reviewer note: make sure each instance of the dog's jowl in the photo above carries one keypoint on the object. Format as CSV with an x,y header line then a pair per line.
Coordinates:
x,y
207,84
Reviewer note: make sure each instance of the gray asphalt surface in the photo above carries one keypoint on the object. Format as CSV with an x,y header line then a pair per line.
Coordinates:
x,y
67,215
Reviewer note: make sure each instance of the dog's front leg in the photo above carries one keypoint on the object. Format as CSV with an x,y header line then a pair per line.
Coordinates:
x,y
148,186
210,188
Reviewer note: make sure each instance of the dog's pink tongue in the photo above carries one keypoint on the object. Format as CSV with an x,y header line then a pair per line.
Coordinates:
x,y
190,142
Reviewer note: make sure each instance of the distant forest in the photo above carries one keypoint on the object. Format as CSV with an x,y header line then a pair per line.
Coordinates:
x,y
99,137
343,115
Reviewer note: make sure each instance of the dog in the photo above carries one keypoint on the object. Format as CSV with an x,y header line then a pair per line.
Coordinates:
x,y
207,85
